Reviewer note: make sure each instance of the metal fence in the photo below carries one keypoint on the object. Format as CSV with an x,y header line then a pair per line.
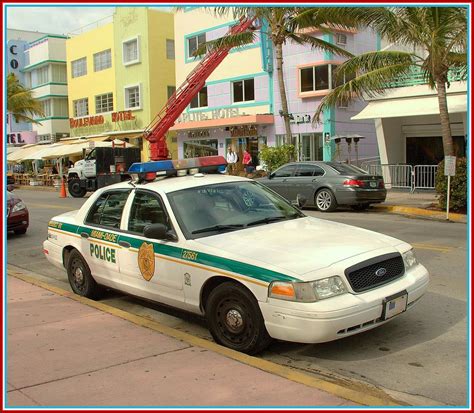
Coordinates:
x,y
406,176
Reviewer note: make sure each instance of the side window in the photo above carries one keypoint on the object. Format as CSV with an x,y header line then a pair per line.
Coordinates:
x,y
285,172
146,209
107,210
305,170
318,171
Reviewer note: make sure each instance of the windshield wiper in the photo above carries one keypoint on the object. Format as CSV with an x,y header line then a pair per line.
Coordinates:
x,y
228,227
269,220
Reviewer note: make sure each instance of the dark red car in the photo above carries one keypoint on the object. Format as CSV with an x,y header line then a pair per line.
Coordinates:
x,y
17,214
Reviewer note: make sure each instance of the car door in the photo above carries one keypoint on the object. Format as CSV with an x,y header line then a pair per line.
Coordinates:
x,y
147,266
278,180
306,180
90,165
99,236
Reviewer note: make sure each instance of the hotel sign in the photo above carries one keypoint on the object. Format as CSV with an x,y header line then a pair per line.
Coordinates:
x,y
99,119
211,115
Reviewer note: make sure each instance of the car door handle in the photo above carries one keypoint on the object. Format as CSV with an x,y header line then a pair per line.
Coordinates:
x,y
124,244
84,235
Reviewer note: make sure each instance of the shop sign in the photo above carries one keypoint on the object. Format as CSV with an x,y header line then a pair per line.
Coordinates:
x,y
203,133
89,121
212,115
301,119
245,130
123,115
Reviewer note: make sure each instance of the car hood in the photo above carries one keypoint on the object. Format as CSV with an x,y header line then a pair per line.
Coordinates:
x,y
299,246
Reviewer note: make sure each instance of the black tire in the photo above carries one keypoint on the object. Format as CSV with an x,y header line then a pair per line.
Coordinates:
x,y
360,207
232,303
80,278
20,231
74,188
325,200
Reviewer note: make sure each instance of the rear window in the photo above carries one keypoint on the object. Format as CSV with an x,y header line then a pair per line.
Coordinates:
x,y
346,169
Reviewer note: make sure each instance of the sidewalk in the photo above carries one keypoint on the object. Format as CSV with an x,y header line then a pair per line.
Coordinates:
x,y
64,350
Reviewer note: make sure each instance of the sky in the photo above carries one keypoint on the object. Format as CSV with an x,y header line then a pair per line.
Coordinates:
x,y
55,19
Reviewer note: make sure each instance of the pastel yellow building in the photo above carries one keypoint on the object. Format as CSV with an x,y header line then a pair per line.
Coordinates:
x,y
120,75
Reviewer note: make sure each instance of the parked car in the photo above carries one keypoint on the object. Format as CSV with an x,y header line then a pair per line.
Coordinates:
x,y
17,213
327,185
236,252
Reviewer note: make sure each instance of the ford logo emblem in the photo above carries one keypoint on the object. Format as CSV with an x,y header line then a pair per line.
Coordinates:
x,y
380,272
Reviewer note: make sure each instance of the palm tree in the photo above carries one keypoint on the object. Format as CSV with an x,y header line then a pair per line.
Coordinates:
x,y
281,24
20,101
437,34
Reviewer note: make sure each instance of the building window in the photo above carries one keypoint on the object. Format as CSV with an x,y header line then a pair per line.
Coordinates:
x,y
171,90
200,100
38,77
60,108
81,107
46,108
341,39
79,67
102,60
194,43
243,90
132,97
131,52
170,49
104,103
59,73
197,148
316,78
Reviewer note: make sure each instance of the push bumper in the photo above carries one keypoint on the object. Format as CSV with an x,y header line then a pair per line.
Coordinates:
x,y
340,316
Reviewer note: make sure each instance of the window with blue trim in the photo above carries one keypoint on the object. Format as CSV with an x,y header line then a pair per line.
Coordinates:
x,y
243,90
200,100
194,43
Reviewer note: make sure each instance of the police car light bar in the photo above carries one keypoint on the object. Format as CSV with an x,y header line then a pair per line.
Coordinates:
x,y
171,167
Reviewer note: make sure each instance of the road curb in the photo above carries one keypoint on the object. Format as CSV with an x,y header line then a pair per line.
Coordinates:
x,y
368,396
420,212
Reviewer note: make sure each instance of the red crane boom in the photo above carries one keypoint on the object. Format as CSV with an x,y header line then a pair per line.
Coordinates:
x,y
194,82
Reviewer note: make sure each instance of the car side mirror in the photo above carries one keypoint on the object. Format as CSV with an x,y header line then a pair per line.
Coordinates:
x,y
159,231
300,201
271,176
10,188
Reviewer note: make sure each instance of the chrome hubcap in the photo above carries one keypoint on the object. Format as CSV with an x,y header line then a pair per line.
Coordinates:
x,y
234,320
324,200
78,276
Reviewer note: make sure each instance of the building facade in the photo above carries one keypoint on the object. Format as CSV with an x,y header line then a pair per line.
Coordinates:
x,y
240,105
45,75
121,74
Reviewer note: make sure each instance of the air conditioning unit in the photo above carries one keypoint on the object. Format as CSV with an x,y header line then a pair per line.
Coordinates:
x,y
341,39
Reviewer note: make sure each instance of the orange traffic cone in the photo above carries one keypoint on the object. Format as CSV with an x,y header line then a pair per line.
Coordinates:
x,y
63,194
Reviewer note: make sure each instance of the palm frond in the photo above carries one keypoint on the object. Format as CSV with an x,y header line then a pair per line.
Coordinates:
x,y
319,44
231,41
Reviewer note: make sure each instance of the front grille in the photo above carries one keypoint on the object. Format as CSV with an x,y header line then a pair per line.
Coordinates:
x,y
363,276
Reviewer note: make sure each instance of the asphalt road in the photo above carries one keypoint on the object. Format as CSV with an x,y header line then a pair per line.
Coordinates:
x,y
420,357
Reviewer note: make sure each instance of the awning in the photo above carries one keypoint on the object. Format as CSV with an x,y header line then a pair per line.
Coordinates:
x,y
26,150
235,121
413,106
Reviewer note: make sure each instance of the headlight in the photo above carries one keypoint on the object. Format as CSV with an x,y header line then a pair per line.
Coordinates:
x,y
409,259
18,206
307,292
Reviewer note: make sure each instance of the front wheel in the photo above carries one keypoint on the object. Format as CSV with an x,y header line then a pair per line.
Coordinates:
x,y
80,278
235,320
75,189
325,200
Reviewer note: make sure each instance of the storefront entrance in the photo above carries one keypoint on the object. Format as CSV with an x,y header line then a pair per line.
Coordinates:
x,y
428,150
253,144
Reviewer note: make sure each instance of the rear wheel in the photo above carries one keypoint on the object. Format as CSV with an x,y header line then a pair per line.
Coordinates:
x,y
235,320
325,200
74,188
80,278
360,207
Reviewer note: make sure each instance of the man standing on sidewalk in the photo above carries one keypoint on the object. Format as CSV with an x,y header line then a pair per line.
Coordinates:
x,y
231,161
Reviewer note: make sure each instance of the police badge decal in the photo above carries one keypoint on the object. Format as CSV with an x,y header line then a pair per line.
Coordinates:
x,y
146,261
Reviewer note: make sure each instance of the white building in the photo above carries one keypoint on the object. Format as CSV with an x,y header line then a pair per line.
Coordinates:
x,y
45,74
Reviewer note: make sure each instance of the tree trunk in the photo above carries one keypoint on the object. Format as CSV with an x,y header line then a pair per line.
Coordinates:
x,y
448,147
281,86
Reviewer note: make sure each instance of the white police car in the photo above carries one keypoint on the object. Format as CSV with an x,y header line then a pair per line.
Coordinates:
x,y
235,251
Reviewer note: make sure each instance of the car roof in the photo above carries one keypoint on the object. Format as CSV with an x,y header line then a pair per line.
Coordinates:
x,y
172,184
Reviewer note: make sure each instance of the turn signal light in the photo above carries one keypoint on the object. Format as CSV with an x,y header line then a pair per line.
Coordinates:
x,y
381,184
282,290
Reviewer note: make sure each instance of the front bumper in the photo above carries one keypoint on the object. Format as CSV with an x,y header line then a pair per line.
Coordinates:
x,y
18,220
53,253
340,316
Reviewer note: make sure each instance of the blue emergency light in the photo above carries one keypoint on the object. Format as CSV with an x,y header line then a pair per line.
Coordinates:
x,y
208,164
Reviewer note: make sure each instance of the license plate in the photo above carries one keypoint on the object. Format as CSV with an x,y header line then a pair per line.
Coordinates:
x,y
373,184
395,304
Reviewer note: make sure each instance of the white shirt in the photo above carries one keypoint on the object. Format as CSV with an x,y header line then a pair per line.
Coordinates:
x,y
231,157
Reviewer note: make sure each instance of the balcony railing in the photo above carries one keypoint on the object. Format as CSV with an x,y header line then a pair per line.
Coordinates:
x,y
416,78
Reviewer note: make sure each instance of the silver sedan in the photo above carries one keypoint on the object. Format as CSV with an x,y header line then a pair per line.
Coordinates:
x,y
327,185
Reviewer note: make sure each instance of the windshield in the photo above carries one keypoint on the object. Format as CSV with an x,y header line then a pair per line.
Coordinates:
x,y
213,209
